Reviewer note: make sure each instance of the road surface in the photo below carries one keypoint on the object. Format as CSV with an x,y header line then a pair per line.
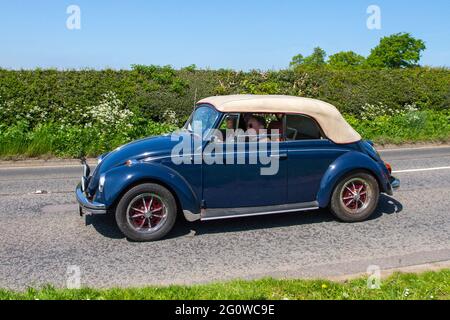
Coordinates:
x,y
42,236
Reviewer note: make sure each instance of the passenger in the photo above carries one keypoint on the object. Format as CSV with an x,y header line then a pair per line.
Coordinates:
x,y
246,117
254,126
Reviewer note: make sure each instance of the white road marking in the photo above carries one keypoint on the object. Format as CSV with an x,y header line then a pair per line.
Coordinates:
x,y
420,170
413,148
44,166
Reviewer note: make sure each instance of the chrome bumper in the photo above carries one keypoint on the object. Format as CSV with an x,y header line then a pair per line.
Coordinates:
x,y
87,206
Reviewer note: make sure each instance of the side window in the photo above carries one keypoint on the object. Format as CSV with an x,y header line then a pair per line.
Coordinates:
x,y
254,127
300,127
230,122
228,127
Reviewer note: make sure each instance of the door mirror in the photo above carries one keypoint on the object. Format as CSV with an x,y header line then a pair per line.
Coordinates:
x,y
213,139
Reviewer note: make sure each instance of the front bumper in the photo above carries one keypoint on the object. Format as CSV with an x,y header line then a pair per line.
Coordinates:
x,y
87,206
394,184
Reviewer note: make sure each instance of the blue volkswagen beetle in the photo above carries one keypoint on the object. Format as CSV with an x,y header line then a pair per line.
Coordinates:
x,y
238,156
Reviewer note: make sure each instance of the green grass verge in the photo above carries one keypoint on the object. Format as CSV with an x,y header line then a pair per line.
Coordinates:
x,y
429,285
422,126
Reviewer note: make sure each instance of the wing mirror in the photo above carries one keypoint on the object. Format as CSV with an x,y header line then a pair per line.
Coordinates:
x,y
213,139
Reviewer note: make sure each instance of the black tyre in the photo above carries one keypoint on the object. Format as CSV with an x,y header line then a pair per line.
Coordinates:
x,y
146,212
355,198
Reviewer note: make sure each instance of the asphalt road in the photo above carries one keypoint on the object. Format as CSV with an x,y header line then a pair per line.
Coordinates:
x,y
41,235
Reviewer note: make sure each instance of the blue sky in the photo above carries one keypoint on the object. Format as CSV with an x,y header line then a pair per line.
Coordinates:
x,y
238,34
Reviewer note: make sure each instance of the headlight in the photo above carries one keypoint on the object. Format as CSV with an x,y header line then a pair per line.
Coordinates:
x,y
101,183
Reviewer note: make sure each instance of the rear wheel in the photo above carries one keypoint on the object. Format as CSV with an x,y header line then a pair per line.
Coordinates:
x,y
355,198
146,212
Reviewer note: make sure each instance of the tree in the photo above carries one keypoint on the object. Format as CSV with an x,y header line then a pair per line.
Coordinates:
x,y
399,50
296,60
346,59
316,59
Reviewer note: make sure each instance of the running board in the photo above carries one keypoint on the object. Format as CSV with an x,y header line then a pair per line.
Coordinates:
x,y
228,213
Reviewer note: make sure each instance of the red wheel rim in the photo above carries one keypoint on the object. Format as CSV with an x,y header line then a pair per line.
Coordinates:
x,y
146,213
356,195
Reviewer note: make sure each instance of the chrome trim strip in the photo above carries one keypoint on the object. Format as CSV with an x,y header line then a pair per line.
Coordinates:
x,y
149,159
257,214
322,149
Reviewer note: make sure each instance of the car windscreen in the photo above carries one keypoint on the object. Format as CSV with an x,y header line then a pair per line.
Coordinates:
x,y
202,120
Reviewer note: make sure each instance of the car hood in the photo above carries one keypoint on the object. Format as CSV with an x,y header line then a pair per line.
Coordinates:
x,y
158,146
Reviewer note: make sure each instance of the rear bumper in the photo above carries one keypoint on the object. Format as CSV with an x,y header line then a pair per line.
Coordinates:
x,y
394,184
87,206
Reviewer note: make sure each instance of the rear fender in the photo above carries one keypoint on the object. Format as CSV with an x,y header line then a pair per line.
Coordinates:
x,y
348,162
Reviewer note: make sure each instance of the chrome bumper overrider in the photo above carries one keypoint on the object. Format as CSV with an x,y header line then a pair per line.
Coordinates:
x,y
394,184
87,206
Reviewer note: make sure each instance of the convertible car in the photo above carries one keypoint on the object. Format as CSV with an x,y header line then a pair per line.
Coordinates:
x,y
318,161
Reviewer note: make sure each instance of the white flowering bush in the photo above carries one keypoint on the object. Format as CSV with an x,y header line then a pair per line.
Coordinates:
x,y
36,114
170,117
372,111
110,113
9,110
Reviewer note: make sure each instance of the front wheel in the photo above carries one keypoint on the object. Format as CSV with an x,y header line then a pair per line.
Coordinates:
x,y
355,198
146,212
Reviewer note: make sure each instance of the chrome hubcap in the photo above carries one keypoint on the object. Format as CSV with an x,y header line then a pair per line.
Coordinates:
x,y
146,213
356,195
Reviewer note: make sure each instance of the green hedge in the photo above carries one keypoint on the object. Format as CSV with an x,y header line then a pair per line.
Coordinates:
x,y
67,96
55,96
350,89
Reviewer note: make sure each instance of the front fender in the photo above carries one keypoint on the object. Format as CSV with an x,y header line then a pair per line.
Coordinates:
x,y
343,165
121,178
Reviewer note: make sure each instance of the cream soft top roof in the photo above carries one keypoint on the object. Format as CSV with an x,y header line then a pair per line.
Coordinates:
x,y
329,118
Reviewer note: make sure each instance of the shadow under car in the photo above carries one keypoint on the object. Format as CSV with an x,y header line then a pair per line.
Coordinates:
x,y
106,225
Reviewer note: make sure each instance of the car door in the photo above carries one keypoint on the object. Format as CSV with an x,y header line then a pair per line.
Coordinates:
x,y
244,182
310,154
